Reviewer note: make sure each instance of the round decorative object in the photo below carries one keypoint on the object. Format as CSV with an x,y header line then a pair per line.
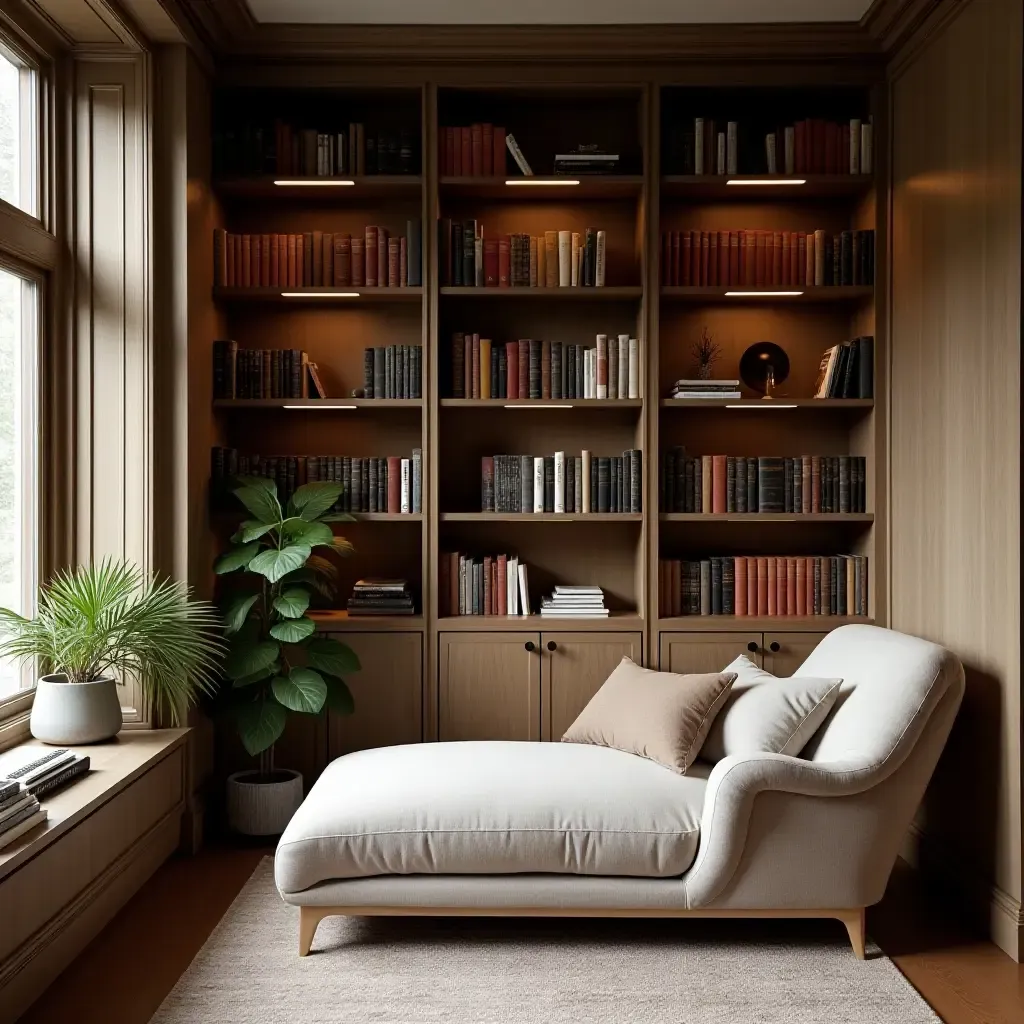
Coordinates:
x,y
67,714
262,807
763,367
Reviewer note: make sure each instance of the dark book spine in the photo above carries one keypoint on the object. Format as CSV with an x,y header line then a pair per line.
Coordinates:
x,y
379,372
728,586
741,484
603,484
570,483
526,483
502,383
636,490
788,485
798,480
556,370
535,369
716,586
771,484
730,484
866,367
844,484
549,483
752,491
487,484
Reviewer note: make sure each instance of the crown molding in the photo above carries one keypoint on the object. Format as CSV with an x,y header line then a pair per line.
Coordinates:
x,y
893,23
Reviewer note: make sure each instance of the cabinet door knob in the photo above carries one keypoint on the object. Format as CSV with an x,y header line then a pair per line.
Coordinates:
x,y
530,645
775,647
752,647
552,646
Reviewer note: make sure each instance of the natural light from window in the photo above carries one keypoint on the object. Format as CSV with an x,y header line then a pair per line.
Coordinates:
x,y
17,134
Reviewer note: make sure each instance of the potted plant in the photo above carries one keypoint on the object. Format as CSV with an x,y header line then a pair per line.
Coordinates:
x,y
100,623
706,351
276,663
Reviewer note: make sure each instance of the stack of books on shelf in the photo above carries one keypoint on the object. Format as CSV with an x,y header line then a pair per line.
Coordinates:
x,y
561,483
530,368
755,258
847,370
574,603
381,597
586,160
21,788
282,148
473,151
803,484
488,585
19,811
556,259
319,259
392,371
764,586
687,389
263,372
392,484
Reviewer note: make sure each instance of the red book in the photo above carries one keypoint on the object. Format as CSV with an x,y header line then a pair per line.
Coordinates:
x,y
359,261
795,264
734,258
457,152
448,166
685,259
780,586
394,484
674,253
792,584
499,152
487,150
785,273
370,247
740,575
545,369
503,263
718,483
246,281
809,585
467,151
265,248
762,586
488,589
327,258
724,255
256,259
382,256
800,147
713,259
666,257
502,582
760,265
752,586
512,370
316,257
776,244
476,137
705,257
227,267
817,146
394,267
293,261
275,262
773,588
524,368
747,253
491,262
801,585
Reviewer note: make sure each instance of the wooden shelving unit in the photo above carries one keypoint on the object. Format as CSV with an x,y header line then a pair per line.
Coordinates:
x,y
355,295
613,293
782,294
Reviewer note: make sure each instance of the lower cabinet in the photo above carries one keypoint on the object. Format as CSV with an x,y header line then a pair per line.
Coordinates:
x,y
388,693
523,686
784,653
706,652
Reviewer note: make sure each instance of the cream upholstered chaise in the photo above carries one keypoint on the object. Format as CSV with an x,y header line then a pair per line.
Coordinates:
x,y
559,829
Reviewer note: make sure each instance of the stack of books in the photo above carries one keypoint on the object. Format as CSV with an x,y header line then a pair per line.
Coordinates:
x,y
687,389
381,597
19,812
575,603
586,160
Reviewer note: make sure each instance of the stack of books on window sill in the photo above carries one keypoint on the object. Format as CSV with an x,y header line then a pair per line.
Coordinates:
x,y
21,789
686,389
574,603
381,597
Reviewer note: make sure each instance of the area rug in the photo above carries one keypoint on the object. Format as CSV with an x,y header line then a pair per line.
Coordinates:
x,y
515,971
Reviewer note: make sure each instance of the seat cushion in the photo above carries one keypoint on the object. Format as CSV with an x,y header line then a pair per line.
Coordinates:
x,y
492,808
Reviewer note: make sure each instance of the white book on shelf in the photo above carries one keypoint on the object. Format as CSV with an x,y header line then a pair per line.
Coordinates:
x,y
559,481
634,368
586,480
524,591
406,505
599,259
575,257
623,366
564,259
512,586
15,833
517,155
538,483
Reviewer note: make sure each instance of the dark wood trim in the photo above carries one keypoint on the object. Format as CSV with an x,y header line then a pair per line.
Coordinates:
x,y
894,23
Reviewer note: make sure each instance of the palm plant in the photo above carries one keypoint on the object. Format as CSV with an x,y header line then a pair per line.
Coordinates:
x,y
113,620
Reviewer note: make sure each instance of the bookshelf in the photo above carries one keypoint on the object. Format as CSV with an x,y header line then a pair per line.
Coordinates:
x,y
484,659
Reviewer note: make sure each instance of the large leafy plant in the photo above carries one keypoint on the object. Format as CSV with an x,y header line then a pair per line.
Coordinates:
x,y
276,663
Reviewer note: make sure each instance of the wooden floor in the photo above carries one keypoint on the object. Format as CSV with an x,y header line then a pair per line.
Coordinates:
x,y
151,942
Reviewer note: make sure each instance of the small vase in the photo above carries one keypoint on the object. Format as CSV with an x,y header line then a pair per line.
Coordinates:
x,y
262,808
70,714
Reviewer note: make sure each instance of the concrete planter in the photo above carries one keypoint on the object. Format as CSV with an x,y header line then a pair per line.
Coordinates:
x,y
258,808
70,714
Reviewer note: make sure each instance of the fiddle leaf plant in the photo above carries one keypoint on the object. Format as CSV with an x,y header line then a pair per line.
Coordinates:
x,y
275,662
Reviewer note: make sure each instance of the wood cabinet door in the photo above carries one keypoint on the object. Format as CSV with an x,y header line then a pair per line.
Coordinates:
x,y
489,686
706,652
784,653
387,690
574,665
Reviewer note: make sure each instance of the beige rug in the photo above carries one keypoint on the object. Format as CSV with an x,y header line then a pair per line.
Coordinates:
x,y
531,972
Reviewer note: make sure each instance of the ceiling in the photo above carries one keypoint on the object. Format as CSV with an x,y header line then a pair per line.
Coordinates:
x,y
554,12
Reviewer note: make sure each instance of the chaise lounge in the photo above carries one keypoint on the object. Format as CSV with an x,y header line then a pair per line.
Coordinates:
x,y
565,829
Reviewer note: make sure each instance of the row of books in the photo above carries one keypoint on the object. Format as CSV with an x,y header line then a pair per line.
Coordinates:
x,y
319,259
392,371
263,372
574,603
473,151
482,585
763,259
562,483
810,146
764,586
848,370
556,259
804,484
381,597
392,484
532,368
283,148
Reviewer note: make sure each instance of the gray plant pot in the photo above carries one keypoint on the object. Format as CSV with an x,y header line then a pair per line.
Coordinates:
x,y
67,714
262,808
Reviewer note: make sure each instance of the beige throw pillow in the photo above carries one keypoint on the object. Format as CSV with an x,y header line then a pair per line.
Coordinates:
x,y
662,716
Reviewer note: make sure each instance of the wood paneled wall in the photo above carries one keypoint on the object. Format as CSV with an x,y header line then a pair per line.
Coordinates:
x,y
955,428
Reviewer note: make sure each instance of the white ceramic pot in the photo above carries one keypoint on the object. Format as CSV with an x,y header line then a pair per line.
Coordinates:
x,y
69,714
263,808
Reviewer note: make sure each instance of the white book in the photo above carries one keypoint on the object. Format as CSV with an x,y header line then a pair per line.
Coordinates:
x,y
599,260
720,154
855,145
560,613
25,799
22,827
406,505
564,259
524,591
512,586
559,481
623,366
538,484
517,154
866,148
601,357
698,145
586,480
704,394
789,145
634,368
574,279
577,588
588,354
732,148
613,366
769,146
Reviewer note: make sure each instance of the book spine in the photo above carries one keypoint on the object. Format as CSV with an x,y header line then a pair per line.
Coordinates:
x,y
538,484
564,259
586,495
602,366
559,502
600,260
487,483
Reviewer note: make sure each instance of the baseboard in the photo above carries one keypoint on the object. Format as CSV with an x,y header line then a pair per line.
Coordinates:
x,y
990,907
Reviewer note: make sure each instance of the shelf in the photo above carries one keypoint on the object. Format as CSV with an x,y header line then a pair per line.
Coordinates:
x,y
830,293
816,186
615,293
591,186
759,623
321,189
541,517
769,405
327,298
341,620
542,403
386,517
767,517
318,404
535,623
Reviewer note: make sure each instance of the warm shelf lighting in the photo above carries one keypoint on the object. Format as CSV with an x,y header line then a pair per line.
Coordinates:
x,y
761,294
320,295
320,404
767,181
765,403
313,183
533,405
541,181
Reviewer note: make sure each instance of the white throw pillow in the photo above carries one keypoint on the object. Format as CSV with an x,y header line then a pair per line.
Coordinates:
x,y
765,714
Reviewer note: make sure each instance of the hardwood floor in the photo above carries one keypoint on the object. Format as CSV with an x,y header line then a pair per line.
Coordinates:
x,y
151,942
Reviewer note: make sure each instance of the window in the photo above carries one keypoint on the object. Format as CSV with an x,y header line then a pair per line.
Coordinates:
x,y
19,121
19,430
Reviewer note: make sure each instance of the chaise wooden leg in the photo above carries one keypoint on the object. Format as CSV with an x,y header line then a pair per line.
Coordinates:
x,y
309,918
854,921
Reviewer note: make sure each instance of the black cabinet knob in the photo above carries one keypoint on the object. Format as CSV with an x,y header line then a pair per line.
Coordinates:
x,y
775,647
752,647
530,645
552,646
